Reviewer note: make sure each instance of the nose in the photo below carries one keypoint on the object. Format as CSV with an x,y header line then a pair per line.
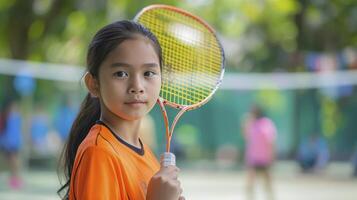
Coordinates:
x,y
136,85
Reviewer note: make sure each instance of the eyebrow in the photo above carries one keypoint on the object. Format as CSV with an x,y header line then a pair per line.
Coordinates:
x,y
120,64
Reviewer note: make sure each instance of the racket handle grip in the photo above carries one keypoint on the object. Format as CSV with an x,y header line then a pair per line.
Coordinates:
x,y
168,159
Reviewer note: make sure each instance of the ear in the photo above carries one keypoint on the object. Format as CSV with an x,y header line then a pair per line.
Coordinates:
x,y
92,84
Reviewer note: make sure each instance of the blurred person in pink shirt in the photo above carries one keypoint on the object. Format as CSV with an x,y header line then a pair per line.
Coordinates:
x,y
260,135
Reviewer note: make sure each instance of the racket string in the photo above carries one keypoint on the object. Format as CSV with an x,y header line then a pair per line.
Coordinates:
x,y
191,50
192,60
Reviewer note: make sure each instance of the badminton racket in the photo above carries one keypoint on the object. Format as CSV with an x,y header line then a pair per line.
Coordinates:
x,y
193,62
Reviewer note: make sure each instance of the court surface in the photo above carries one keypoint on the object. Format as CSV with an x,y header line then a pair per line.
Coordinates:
x,y
334,183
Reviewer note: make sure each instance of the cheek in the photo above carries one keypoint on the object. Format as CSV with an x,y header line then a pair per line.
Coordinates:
x,y
153,90
110,93
157,88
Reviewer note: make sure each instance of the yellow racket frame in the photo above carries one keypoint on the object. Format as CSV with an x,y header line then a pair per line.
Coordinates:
x,y
182,65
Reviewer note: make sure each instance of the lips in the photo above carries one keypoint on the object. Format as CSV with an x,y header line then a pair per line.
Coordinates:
x,y
135,102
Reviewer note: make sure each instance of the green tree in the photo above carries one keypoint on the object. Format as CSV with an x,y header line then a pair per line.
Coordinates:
x,y
266,32
270,33
57,30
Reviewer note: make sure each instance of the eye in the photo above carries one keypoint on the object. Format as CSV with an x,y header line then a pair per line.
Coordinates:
x,y
150,74
120,74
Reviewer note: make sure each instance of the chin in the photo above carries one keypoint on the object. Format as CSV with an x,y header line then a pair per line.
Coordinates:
x,y
133,117
130,115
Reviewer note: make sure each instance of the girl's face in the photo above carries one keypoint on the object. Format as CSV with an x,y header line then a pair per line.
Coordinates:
x,y
130,79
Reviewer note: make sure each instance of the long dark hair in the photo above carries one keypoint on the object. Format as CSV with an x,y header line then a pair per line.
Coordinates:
x,y
104,41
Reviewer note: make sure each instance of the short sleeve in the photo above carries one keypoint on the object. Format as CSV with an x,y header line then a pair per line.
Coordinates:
x,y
95,176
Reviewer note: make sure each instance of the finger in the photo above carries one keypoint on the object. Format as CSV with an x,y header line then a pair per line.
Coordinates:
x,y
173,175
178,185
181,198
172,168
168,169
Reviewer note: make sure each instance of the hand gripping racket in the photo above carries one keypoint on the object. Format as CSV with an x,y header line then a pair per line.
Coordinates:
x,y
193,62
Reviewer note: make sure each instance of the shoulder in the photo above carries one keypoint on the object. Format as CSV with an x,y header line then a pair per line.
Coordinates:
x,y
93,156
98,138
268,125
266,121
97,151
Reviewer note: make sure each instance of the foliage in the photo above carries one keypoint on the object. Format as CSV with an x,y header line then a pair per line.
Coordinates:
x,y
263,33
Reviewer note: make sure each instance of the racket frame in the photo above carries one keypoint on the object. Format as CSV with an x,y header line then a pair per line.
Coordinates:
x,y
183,108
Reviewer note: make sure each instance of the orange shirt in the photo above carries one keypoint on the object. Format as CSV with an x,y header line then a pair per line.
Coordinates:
x,y
106,167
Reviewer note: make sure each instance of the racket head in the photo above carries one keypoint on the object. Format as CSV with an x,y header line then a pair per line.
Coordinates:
x,y
193,57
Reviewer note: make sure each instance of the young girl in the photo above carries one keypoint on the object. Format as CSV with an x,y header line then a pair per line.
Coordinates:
x,y
104,157
260,135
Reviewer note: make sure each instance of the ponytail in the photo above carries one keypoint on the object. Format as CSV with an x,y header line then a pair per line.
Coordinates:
x,y
89,113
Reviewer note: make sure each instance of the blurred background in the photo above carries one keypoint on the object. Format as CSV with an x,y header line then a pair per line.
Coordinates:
x,y
296,59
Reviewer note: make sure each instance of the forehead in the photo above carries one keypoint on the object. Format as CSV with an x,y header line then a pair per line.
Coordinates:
x,y
137,50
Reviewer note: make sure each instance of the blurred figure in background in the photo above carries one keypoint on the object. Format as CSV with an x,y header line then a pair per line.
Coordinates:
x,y
307,154
64,118
313,153
260,135
354,161
323,153
11,140
39,130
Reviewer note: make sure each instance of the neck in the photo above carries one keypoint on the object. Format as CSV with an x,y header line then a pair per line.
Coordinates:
x,y
127,130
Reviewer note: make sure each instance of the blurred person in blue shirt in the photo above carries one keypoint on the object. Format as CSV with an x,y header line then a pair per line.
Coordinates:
x,y
11,139
354,161
64,118
313,153
39,130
